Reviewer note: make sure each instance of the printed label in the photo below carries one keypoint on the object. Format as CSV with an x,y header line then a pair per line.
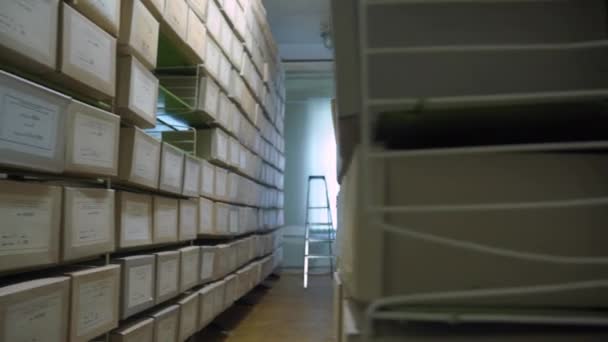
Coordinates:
x,y
91,49
28,124
36,320
166,221
91,220
136,221
207,266
167,330
172,169
26,224
168,277
146,157
16,18
95,305
94,141
189,267
143,92
140,285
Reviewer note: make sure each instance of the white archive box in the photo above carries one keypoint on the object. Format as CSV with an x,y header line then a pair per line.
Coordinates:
x,y
94,302
88,55
199,7
196,34
188,219
139,31
167,275
192,176
171,169
139,158
212,145
137,93
30,228
207,263
29,36
88,223
33,123
188,316
221,219
139,330
207,182
213,54
36,310
221,183
91,141
176,16
165,219
133,220
205,214
137,284
105,14
189,268
206,312
166,324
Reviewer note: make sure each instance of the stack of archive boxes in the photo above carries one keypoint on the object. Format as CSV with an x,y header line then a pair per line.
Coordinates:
x,y
84,180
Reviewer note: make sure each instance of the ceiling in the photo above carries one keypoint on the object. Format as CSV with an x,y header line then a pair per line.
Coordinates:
x,y
296,26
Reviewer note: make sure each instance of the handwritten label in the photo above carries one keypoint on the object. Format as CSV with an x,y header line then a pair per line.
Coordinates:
x,y
146,157
136,221
207,265
27,222
168,277
144,28
91,220
140,285
95,305
189,267
16,18
94,141
90,48
36,320
143,91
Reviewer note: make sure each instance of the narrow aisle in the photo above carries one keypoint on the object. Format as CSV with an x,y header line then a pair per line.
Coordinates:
x,y
283,312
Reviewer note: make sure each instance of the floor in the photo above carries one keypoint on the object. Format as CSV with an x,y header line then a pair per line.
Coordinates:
x,y
279,311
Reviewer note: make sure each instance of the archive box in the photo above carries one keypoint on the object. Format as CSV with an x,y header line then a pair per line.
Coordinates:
x,y
137,331
166,323
192,176
171,169
189,267
175,15
137,284
230,295
196,34
221,219
167,275
137,93
139,31
139,158
165,219
207,263
207,182
133,220
206,312
205,214
188,219
105,14
188,315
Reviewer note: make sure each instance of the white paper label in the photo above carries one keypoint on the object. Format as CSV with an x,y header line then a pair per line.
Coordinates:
x,y
36,320
91,49
191,176
26,224
234,221
172,169
95,305
189,267
94,141
207,267
208,179
143,92
168,277
136,221
167,330
166,221
146,156
28,124
16,18
144,28
91,220
140,285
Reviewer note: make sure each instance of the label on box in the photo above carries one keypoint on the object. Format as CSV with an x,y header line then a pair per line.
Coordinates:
x,y
207,266
167,329
234,221
38,319
107,8
95,305
166,221
91,220
208,174
143,91
140,285
144,29
206,216
146,156
16,18
168,277
28,124
136,221
189,267
27,222
94,141
91,49
172,169
191,176
188,220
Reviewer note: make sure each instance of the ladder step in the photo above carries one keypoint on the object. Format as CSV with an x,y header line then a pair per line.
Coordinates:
x,y
317,256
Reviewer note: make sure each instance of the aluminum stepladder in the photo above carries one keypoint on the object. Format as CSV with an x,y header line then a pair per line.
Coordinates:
x,y
313,234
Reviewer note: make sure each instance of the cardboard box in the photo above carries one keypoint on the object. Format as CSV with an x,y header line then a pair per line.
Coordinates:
x,y
92,140
88,55
224,117
225,73
207,182
171,169
94,302
220,262
188,219
205,215
199,7
230,295
234,152
213,54
35,310
218,296
88,223
221,219
133,220
138,331
139,31
29,35
192,176
139,158
176,16
105,14
166,324
30,229
137,93
188,316
212,144
234,227
221,183
189,268
33,121
167,275
206,312
207,263
196,34
233,187
137,284
165,222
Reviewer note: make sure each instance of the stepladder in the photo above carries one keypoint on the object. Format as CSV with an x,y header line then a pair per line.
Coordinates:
x,y
319,229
